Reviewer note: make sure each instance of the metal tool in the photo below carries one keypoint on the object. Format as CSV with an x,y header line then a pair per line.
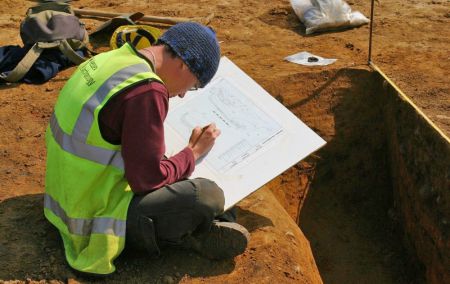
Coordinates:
x,y
152,19
121,20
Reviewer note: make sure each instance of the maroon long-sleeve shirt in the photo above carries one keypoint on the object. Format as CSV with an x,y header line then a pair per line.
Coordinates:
x,y
135,120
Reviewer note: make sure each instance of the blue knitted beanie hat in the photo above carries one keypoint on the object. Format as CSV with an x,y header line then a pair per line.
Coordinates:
x,y
197,46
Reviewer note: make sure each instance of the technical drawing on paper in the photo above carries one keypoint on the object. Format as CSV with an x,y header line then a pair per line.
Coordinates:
x,y
245,128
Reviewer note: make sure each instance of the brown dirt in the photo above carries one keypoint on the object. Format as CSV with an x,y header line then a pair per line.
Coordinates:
x,y
410,46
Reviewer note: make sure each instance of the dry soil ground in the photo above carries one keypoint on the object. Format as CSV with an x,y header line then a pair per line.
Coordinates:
x,y
411,40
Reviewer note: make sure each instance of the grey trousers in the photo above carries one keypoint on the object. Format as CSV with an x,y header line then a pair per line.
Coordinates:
x,y
166,216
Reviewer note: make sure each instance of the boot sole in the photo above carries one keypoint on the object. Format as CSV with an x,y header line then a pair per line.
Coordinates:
x,y
224,240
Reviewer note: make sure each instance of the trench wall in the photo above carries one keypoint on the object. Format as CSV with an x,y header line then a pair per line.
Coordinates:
x,y
345,214
420,169
384,165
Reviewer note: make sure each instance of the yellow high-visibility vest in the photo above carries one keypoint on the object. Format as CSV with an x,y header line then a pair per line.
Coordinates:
x,y
86,193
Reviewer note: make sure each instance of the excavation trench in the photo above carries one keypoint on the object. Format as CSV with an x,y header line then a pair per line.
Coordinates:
x,y
373,203
377,205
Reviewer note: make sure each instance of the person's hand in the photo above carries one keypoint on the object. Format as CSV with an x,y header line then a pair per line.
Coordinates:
x,y
202,139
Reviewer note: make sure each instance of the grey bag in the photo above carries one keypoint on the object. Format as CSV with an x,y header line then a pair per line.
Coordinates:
x,y
49,25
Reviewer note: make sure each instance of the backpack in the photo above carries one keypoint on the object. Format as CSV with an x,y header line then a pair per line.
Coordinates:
x,y
49,25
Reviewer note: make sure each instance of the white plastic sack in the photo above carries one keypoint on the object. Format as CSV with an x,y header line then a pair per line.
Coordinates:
x,y
321,15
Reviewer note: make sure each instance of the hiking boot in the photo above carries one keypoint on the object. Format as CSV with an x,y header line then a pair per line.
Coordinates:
x,y
224,240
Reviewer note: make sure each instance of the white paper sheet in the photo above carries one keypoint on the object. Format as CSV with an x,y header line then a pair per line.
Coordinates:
x,y
245,128
309,59
260,137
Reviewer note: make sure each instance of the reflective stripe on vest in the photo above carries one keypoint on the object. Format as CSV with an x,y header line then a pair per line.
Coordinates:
x,y
80,149
76,143
86,117
85,227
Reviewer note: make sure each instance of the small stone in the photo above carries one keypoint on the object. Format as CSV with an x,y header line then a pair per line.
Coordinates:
x,y
297,269
278,11
438,199
392,215
290,234
167,279
72,281
287,274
